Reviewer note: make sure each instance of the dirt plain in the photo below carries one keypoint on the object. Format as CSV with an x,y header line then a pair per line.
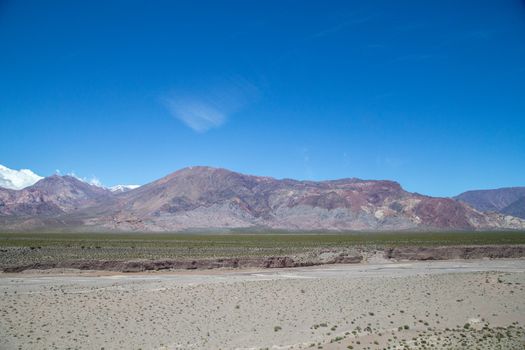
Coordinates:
x,y
454,304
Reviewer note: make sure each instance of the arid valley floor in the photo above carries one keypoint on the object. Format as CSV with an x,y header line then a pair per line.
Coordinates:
x,y
475,304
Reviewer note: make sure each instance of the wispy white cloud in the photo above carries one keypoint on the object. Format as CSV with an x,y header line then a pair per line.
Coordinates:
x,y
391,162
342,25
213,106
199,115
95,181
472,36
419,57
308,170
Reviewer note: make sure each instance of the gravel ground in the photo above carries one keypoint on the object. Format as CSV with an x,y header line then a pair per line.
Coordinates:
x,y
413,305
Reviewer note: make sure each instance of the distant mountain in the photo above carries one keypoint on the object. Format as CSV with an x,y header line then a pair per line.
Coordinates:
x,y
17,179
509,200
20,179
516,208
52,196
197,198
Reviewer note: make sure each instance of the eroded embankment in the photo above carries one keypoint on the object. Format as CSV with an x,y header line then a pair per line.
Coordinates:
x,y
320,257
455,252
168,264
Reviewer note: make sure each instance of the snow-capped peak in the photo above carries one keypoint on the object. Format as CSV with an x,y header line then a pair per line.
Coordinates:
x,y
122,188
94,181
17,179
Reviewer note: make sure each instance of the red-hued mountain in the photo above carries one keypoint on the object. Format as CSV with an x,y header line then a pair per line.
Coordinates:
x,y
210,198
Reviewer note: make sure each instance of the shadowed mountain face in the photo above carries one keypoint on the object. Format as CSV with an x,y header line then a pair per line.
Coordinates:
x,y
516,209
510,200
210,198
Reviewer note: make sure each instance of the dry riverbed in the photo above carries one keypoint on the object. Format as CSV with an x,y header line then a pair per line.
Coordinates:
x,y
475,304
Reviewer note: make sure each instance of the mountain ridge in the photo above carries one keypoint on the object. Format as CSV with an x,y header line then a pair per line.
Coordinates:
x,y
201,197
23,178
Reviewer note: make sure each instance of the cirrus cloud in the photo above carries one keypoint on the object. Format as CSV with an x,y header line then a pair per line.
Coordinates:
x,y
211,107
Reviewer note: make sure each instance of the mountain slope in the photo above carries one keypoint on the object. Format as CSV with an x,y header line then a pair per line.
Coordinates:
x,y
508,200
52,195
516,208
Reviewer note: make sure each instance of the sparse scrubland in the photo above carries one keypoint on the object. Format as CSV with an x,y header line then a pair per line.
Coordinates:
x,y
390,301
420,305
24,249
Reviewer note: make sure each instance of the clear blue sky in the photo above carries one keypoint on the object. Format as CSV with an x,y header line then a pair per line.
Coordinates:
x,y
427,93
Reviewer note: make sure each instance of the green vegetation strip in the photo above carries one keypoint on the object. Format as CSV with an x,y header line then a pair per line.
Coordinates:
x,y
269,240
29,248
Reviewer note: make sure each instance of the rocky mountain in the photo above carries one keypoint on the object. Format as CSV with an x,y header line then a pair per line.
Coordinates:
x,y
508,200
197,198
52,195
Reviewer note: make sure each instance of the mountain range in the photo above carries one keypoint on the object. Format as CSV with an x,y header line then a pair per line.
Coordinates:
x,y
205,198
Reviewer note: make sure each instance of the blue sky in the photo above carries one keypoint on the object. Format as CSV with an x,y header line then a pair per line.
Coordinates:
x,y
427,93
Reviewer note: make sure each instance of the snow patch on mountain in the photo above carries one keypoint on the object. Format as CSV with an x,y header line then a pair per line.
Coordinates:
x,y
17,179
96,182
122,188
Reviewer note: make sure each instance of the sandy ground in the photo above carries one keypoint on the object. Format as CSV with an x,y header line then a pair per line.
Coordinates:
x,y
477,304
